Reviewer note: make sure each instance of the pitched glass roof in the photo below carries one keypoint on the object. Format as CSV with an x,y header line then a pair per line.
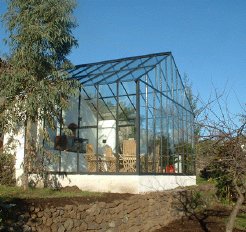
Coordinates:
x,y
126,69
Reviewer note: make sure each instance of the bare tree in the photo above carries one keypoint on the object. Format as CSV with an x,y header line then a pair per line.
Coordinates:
x,y
226,135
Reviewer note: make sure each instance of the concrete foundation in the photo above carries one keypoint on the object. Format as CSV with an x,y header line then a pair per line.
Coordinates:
x,y
119,183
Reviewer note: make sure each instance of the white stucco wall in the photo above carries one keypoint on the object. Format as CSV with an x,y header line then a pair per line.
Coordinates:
x,y
107,132
16,148
123,183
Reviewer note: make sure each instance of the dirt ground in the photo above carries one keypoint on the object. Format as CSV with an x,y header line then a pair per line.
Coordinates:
x,y
106,197
212,221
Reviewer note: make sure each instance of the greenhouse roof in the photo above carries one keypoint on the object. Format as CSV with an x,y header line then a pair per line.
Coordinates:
x,y
125,69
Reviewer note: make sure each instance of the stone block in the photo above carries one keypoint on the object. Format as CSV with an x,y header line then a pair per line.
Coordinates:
x,y
83,207
83,227
61,212
49,221
40,214
52,209
77,223
45,229
77,216
68,207
55,214
99,219
68,224
33,216
54,227
125,219
111,224
102,205
61,228
31,222
73,214
39,221
57,219
93,226
26,228
37,209
47,214
94,210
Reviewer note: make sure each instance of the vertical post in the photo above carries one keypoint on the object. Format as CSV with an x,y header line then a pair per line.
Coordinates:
x,y
137,127
60,130
154,125
117,127
167,115
173,111
79,115
177,120
97,89
187,141
193,144
79,119
147,124
162,134
183,133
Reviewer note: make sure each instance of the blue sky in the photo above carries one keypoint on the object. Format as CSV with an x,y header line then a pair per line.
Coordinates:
x,y
206,37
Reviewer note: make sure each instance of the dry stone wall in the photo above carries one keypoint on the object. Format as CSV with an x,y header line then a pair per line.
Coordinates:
x,y
147,212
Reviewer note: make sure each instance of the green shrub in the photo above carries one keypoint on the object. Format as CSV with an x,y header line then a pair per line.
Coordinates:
x,y
7,169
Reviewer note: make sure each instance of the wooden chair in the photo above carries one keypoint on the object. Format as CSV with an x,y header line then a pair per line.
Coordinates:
x,y
110,159
129,163
89,149
91,158
129,156
129,147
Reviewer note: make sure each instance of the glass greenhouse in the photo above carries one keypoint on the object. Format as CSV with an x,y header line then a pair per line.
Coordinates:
x,y
132,116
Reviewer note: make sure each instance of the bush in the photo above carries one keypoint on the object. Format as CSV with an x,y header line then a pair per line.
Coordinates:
x,y
7,169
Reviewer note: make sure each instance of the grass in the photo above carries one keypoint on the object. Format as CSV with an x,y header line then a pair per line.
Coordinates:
x,y
241,218
200,181
8,193
241,222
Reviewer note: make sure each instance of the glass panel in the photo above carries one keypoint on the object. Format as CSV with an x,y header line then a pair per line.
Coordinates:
x,y
68,161
107,108
127,144
112,77
135,74
105,68
88,112
88,146
108,90
151,78
143,129
127,88
89,92
70,116
127,110
83,70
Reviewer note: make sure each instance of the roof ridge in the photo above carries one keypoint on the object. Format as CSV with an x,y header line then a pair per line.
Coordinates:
x,y
124,58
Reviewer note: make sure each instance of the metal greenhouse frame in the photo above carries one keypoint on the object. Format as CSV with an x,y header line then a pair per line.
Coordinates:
x,y
143,101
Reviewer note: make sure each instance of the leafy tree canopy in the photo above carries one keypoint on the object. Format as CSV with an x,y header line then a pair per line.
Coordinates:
x,y
34,85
